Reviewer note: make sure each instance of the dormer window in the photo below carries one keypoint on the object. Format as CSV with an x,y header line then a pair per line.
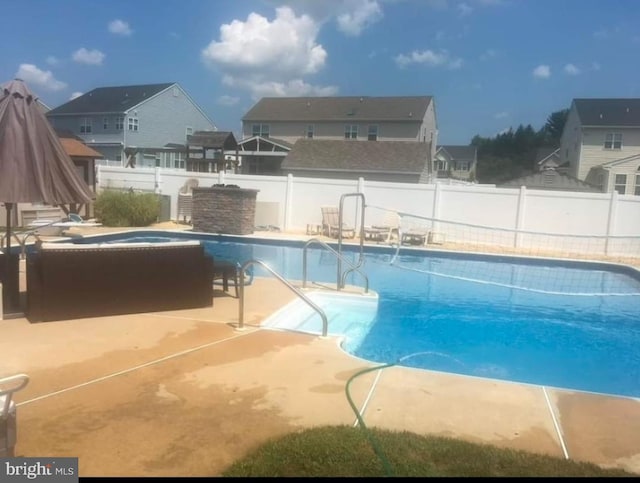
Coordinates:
x,y
613,140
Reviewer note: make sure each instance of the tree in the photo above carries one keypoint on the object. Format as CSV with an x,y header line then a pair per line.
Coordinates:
x,y
552,130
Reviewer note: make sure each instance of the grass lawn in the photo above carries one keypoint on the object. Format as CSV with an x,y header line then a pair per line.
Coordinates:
x,y
347,451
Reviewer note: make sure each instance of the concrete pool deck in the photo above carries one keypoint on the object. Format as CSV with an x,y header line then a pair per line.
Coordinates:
x,y
184,393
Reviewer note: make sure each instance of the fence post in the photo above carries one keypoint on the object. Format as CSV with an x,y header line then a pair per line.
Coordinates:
x,y
221,177
435,213
611,221
520,215
157,182
288,201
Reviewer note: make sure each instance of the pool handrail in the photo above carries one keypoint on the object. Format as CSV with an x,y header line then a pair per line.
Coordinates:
x,y
361,234
339,281
307,300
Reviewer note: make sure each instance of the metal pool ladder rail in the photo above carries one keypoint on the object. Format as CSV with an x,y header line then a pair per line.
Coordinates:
x,y
341,279
325,322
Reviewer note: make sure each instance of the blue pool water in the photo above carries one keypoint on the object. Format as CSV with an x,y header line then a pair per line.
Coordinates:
x,y
574,325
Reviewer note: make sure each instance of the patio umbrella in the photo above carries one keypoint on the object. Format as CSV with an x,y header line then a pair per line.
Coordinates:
x,y
34,167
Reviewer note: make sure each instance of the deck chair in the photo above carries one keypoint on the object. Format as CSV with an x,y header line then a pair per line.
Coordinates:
x,y
386,231
331,221
185,197
415,236
8,422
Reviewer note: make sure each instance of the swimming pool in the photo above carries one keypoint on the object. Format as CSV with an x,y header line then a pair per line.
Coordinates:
x,y
565,324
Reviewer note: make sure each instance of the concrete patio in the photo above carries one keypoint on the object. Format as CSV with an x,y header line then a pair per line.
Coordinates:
x,y
184,393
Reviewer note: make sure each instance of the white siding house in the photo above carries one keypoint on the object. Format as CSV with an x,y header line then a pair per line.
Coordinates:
x,y
601,143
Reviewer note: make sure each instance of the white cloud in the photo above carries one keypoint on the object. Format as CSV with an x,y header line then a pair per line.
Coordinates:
x,y
120,27
364,14
429,57
90,57
51,60
571,69
41,78
228,100
286,45
542,72
293,88
464,9
501,115
274,56
74,95
488,54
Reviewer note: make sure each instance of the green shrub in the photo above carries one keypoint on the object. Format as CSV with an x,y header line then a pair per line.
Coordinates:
x,y
125,208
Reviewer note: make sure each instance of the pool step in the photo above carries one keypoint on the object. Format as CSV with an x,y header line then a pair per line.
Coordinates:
x,y
347,314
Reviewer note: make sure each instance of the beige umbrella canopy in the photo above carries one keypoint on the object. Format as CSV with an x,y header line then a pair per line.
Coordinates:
x,y
34,167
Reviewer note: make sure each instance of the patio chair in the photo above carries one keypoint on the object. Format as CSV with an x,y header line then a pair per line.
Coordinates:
x,y
386,231
8,422
331,221
415,236
185,197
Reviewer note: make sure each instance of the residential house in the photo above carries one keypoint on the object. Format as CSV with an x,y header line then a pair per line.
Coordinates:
x,y
457,162
548,158
114,119
274,124
396,161
601,143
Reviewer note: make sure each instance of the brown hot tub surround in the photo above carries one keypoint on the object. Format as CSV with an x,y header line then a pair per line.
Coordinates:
x,y
227,209
67,281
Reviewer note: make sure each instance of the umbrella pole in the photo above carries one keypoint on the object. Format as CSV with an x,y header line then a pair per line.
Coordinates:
x,y
8,206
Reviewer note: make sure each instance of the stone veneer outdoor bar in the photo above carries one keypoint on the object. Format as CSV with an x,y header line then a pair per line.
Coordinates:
x,y
224,210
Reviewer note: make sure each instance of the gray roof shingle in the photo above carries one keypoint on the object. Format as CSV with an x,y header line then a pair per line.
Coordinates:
x,y
212,139
549,180
460,153
622,112
388,156
354,108
110,99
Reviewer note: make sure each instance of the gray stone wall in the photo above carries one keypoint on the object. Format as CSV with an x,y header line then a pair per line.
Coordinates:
x,y
224,210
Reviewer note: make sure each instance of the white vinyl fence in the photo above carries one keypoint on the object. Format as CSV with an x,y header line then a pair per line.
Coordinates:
x,y
514,217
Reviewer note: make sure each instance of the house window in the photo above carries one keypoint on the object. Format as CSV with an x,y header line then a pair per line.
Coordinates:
x,y
85,125
621,183
351,131
637,190
261,130
133,124
613,140
119,123
373,133
118,157
178,160
188,131
310,130
441,165
462,166
105,123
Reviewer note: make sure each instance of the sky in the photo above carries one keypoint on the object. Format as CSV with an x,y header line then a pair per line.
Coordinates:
x,y
489,64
